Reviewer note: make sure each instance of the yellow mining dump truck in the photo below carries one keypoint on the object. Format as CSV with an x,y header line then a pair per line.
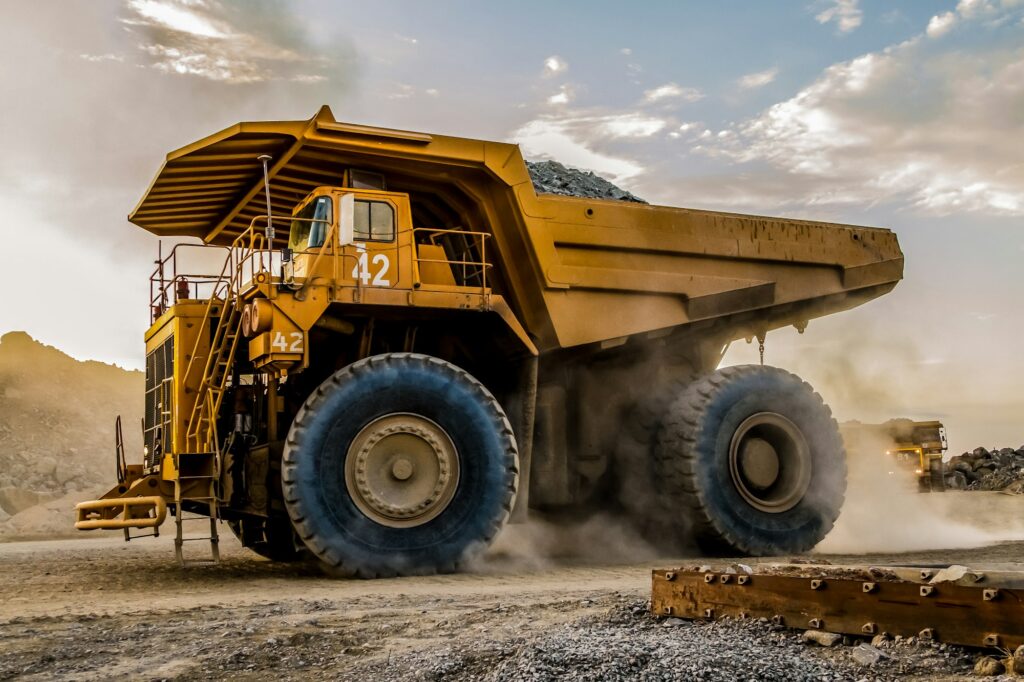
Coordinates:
x,y
911,447
403,344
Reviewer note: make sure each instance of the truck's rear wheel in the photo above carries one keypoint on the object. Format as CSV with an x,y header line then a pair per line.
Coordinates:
x,y
755,457
936,475
636,485
399,464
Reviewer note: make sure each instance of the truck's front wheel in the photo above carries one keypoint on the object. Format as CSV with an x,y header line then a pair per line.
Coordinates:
x,y
399,464
754,455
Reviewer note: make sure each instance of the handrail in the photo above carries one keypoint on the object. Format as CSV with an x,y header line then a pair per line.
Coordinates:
x,y
161,286
482,264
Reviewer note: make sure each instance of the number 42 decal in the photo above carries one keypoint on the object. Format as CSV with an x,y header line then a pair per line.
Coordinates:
x,y
282,345
362,269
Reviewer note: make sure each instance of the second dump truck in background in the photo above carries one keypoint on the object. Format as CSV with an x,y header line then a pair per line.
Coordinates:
x,y
406,344
912,448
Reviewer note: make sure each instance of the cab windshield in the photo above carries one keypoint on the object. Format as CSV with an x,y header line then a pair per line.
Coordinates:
x,y
310,225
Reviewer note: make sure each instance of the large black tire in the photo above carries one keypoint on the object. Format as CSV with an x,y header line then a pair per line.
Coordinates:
x,y
274,539
711,462
635,477
324,505
936,475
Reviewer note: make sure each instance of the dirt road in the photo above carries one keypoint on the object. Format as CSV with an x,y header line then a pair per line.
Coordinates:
x,y
101,609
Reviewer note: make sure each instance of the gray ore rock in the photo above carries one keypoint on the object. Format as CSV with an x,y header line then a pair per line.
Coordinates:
x,y
551,177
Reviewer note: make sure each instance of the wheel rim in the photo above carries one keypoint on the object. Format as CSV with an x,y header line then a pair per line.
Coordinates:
x,y
770,462
402,470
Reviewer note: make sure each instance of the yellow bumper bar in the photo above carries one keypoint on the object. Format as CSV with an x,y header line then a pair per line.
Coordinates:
x,y
135,512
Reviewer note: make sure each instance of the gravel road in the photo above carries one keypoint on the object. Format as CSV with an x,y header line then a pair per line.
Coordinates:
x,y
100,609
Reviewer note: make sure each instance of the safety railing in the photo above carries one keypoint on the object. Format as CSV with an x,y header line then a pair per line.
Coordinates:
x,y
188,272
177,277
470,261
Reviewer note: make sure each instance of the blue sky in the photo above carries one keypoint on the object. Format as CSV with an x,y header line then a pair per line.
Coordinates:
x,y
907,115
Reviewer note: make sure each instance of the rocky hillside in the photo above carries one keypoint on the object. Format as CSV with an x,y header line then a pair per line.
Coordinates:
x,y
57,425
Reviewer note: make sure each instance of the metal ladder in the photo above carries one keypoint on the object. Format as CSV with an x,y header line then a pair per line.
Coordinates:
x,y
196,485
202,426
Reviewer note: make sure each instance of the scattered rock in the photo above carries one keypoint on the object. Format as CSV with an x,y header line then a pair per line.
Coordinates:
x,y
673,622
986,666
982,469
866,654
957,574
823,638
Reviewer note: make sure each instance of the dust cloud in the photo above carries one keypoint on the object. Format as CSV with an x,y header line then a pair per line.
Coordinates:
x,y
884,512
545,542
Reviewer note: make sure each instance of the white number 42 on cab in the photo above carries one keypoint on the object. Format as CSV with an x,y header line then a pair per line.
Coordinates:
x,y
290,343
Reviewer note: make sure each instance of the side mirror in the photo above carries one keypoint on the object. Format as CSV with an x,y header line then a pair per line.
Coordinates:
x,y
347,220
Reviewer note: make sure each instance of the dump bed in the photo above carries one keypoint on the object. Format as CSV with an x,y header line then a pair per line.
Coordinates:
x,y
576,271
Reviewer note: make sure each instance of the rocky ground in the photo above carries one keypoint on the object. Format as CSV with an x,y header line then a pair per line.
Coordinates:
x,y
102,609
551,177
982,469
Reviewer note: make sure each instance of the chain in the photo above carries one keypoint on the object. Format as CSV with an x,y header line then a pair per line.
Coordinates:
x,y
760,347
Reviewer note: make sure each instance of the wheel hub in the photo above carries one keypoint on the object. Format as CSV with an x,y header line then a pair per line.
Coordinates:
x,y
402,470
770,462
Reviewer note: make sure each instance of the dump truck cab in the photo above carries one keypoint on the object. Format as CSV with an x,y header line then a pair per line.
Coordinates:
x,y
919,448
401,345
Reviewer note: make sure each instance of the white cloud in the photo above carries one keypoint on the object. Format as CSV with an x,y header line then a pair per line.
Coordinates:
x,y
211,40
402,91
631,125
759,78
177,18
561,97
972,8
554,65
566,140
846,13
109,57
433,92
940,24
854,136
673,91
626,51
586,139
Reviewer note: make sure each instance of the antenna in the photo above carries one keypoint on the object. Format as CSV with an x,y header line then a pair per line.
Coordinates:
x,y
266,158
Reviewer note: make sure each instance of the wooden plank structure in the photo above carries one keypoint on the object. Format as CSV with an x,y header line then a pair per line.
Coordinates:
x,y
981,611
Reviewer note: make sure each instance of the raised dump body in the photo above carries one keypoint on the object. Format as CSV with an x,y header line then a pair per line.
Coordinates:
x,y
434,345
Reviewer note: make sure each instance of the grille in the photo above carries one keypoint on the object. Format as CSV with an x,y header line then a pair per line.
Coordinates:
x,y
159,378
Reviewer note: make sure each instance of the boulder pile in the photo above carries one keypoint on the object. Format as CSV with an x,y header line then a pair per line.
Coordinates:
x,y
551,177
982,469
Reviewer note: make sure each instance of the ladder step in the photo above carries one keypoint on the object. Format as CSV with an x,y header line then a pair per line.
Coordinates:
x,y
206,539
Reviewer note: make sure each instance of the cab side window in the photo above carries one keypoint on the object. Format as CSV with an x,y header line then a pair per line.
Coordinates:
x,y
374,221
